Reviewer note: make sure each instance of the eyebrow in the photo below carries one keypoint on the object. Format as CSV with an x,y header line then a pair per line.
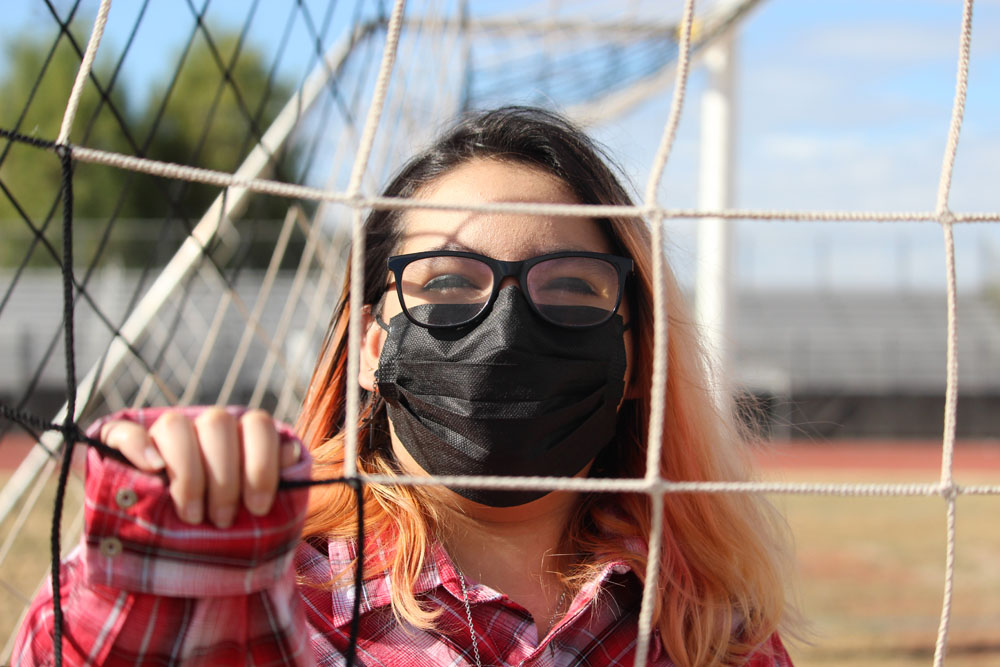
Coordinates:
x,y
459,247
454,245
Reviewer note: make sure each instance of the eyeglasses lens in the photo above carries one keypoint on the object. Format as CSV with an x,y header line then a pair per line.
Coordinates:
x,y
446,291
574,291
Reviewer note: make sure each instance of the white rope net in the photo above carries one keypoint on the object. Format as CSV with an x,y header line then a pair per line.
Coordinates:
x,y
208,326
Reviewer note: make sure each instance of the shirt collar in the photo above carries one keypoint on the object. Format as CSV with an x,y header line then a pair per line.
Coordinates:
x,y
438,571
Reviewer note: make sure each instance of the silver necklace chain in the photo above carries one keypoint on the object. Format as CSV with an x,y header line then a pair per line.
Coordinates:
x,y
468,615
472,628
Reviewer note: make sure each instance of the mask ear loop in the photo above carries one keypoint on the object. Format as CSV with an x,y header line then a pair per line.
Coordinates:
x,y
374,405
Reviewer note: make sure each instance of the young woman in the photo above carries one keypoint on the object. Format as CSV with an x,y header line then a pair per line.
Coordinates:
x,y
494,344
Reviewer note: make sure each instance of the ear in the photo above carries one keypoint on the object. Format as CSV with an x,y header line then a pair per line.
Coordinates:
x,y
371,347
632,389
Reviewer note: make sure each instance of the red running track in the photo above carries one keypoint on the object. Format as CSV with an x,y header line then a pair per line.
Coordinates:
x,y
970,455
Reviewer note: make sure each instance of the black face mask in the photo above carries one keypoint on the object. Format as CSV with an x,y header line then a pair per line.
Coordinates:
x,y
512,396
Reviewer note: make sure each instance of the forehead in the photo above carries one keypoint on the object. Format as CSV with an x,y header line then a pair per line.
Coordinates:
x,y
503,236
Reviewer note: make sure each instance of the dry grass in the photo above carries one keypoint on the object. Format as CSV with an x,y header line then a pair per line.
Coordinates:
x,y
28,561
871,575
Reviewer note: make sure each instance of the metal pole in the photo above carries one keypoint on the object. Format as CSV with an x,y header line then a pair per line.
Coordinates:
x,y
715,192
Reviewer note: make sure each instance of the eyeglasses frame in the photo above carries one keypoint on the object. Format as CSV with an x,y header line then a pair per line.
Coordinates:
x,y
502,269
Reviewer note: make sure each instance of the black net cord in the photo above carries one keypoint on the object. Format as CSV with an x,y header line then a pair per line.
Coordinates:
x,y
69,427
72,434
359,577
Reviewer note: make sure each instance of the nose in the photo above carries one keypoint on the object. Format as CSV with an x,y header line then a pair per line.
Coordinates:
x,y
508,281
510,312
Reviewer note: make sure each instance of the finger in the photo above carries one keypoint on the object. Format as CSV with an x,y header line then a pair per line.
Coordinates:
x,y
175,438
134,442
260,461
220,449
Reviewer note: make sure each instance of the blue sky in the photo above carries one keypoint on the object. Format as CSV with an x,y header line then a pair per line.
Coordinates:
x,y
843,105
846,105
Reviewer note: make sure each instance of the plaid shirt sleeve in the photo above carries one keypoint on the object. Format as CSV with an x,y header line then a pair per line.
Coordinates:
x,y
143,587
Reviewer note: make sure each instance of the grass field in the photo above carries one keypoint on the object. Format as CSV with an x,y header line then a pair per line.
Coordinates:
x,y
870,570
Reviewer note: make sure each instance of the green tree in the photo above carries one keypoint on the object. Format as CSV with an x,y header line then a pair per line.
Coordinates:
x,y
31,176
215,113
208,118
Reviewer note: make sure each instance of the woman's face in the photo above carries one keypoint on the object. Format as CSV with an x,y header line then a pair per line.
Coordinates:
x,y
508,237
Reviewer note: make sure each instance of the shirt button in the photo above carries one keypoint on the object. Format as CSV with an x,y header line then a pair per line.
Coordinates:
x,y
110,546
125,498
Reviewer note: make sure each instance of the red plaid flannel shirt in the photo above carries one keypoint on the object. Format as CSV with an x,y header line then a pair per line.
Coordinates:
x,y
145,588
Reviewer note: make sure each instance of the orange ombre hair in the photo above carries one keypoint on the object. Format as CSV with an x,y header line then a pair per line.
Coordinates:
x,y
720,574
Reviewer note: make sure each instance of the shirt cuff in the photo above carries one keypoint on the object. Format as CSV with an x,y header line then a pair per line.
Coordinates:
x,y
135,541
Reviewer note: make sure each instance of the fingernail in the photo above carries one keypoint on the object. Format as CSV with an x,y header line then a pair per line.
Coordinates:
x,y
153,458
258,503
290,453
192,512
222,517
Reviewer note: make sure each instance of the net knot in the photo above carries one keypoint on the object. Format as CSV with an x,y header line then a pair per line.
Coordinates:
x,y
652,212
355,200
946,217
949,491
72,433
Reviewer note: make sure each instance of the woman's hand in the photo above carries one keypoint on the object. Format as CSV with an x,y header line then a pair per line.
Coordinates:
x,y
214,461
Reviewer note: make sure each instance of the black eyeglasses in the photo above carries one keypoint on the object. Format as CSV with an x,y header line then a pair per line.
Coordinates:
x,y
447,288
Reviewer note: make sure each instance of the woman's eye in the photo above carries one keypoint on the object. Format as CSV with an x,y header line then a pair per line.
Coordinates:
x,y
569,284
449,281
